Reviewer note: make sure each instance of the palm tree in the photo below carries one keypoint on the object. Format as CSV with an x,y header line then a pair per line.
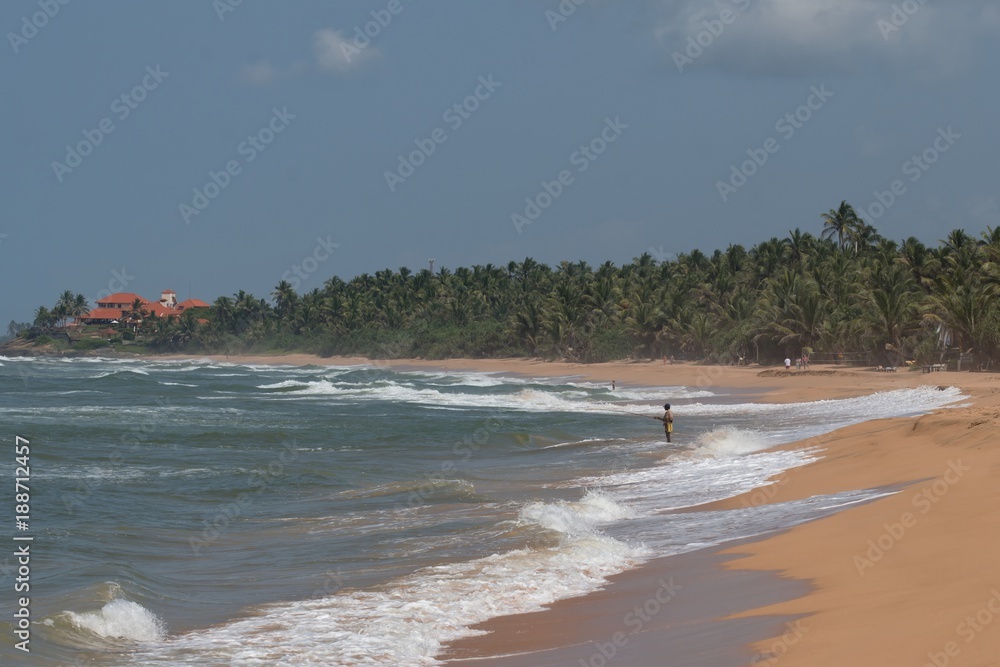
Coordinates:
x,y
963,302
64,306
44,318
891,308
920,261
643,323
137,314
285,299
223,311
798,245
79,307
843,223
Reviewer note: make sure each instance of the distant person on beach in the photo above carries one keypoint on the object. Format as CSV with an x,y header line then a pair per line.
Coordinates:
x,y
668,421
612,385
788,364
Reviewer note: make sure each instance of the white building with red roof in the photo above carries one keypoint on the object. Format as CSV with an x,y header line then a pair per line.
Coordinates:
x,y
115,308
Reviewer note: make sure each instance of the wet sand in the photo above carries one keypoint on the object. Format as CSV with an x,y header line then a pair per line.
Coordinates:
x,y
665,613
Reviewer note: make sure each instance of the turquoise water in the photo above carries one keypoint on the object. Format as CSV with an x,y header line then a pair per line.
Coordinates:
x,y
220,514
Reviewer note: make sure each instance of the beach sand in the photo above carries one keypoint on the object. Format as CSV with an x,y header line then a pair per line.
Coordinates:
x,y
909,579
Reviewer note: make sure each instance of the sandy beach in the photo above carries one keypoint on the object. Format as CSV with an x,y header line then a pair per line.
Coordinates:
x,y
910,579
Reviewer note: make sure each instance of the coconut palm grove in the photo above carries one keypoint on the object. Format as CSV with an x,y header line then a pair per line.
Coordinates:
x,y
848,295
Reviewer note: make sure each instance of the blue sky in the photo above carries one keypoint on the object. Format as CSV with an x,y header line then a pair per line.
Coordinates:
x,y
650,112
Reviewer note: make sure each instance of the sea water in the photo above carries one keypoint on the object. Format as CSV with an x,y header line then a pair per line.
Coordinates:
x,y
207,513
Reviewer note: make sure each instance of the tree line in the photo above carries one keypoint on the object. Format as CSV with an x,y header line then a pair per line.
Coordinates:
x,y
847,292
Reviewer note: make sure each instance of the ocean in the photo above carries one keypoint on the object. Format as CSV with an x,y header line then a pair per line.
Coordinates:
x,y
207,513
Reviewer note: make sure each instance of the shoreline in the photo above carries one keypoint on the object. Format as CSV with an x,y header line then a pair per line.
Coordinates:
x,y
920,565
667,606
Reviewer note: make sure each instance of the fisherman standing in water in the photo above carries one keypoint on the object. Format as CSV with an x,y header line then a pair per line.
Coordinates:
x,y
668,421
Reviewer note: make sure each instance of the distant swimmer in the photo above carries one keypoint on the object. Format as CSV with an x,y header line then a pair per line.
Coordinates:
x,y
612,385
668,421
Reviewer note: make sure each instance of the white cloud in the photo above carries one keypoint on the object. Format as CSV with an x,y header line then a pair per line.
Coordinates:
x,y
337,53
332,52
259,73
798,36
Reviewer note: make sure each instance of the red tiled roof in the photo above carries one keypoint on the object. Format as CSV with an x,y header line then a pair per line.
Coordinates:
x,y
122,297
192,303
103,314
159,310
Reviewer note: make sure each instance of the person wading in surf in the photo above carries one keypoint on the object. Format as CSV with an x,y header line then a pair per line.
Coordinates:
x,y
668,421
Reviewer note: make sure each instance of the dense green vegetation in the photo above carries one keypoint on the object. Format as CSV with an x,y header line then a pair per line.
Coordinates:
x,y
847,294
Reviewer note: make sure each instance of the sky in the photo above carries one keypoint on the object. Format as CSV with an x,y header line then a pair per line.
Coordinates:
x,y
211,146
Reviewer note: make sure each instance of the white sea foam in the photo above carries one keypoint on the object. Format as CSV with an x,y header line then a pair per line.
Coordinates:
x,y
530,398
410,622
583,517
122,620
469,379
114,473
729,441
119,371
69,392
674,533
898,402
719,469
